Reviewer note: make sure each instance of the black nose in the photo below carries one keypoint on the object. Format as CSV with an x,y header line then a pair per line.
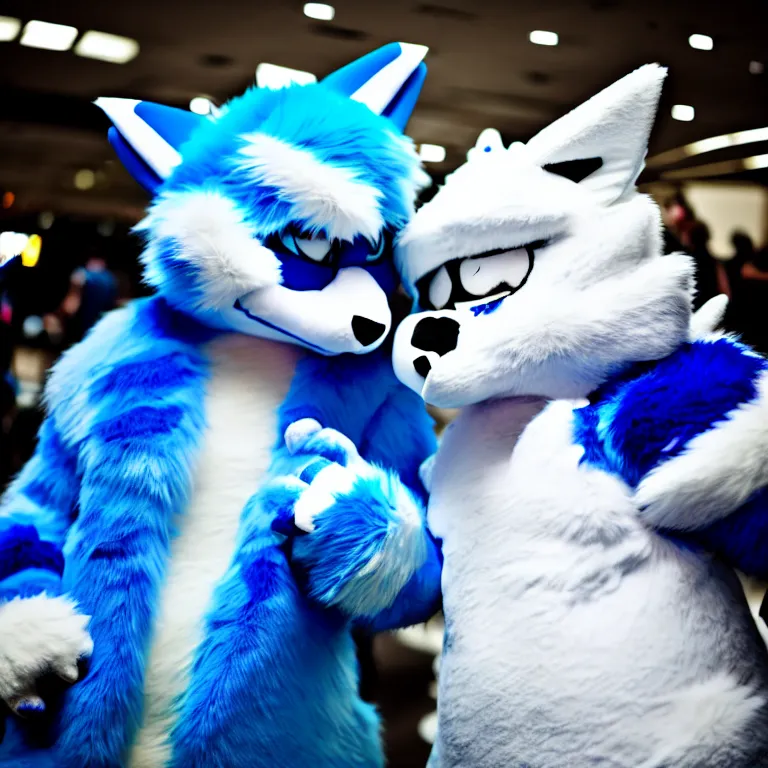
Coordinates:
x,y
367,331
436,334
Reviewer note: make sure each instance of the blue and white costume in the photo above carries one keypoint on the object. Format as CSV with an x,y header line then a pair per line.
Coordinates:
x,y
606,473
187,430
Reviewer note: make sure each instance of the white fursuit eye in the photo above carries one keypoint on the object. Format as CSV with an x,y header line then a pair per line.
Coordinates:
x,y
480,275
314,248
440,289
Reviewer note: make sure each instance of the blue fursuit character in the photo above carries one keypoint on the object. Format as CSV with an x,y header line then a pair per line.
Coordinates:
x,y
154,532
608,470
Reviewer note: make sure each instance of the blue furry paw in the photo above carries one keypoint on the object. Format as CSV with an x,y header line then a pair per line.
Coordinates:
x,y
363,530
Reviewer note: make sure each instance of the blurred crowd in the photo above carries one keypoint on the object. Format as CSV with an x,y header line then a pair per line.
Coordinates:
x,y
43,311
743,277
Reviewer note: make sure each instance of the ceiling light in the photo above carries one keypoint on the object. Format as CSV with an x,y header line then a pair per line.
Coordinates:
x,y
683,112
53,37
708,145
274,76
701,42
750,137
9,28
542,37
85,179
201,105
106,47
319,11
432,153
756,67
758,161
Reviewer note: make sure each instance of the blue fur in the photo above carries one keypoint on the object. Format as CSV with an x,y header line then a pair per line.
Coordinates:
x,y
126,418
335,130
650,413
676,399
273,682
336,552
21,548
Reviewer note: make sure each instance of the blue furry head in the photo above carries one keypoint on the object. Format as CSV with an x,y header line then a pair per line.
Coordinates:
x,y
276,217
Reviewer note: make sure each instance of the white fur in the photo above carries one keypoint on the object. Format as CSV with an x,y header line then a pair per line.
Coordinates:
x,y
212,233
583,311
328,196
38,634
709,317
378,92
323,318
575,635
143,139
718,471
249,379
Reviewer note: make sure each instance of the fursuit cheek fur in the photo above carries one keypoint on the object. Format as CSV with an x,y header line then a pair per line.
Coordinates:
x,y
154,532
605,476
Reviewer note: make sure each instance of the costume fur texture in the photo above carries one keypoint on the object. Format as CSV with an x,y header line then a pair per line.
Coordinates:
x,y
157,510
606,473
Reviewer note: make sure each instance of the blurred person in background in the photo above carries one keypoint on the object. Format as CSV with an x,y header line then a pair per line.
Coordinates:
x,y
748,273
677,217
711,277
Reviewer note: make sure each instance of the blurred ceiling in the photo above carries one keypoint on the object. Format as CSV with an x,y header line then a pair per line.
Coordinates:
x,y
483,72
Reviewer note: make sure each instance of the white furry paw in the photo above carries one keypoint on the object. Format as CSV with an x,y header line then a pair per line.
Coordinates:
x,y
39,635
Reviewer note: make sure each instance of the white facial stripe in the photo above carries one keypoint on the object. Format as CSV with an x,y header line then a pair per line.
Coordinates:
x,y
213,235
329,197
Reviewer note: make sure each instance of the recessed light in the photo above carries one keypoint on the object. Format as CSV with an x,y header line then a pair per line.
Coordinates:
x,y
319,11
542,37
756,67
85,179
701,42
274,76
683,112
53,37
106,47
201,105
432,153
9,28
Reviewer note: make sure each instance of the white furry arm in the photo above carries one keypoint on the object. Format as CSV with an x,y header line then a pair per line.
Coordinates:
x,y
37,635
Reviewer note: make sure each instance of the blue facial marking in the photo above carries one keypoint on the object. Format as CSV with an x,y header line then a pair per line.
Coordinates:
x,y
488,308
303,274
240,308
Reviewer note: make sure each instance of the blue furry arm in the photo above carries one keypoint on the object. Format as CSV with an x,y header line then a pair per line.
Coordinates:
x,y
690,435
369,551
35,515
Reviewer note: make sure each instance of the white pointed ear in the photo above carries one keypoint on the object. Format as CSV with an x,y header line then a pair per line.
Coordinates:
x,y
602,143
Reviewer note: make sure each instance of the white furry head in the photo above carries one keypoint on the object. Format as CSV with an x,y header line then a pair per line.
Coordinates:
x,y
539,266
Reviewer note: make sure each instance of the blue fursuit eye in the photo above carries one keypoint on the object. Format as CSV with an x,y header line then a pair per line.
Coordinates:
x,y
317,248
377,249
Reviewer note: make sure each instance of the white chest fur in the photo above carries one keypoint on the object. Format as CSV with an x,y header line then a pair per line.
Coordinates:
x,y
574,634
249,380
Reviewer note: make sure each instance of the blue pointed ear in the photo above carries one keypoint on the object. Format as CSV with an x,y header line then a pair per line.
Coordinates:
x,y
147,137
387,80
